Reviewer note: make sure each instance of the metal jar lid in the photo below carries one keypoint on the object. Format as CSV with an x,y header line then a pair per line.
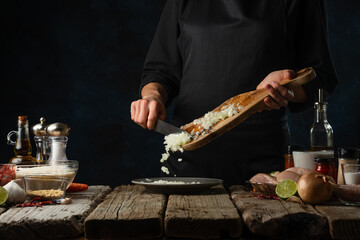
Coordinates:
x,y
292,148
40,128
346,152
324,160
58,129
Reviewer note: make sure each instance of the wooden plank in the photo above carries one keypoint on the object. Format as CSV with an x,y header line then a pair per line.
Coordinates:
x,y
277,218
51,221
2,210
128,212
207,215
344,221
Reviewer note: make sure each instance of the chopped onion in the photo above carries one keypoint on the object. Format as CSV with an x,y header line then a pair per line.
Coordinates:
x,y
165,170
174,141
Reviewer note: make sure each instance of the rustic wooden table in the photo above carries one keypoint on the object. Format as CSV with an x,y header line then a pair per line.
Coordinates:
x,y
131,212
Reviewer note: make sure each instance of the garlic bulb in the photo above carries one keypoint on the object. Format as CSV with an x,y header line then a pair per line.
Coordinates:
x,y
15,193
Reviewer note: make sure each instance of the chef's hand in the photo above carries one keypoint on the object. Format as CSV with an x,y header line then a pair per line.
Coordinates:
x,y
151,107
279,95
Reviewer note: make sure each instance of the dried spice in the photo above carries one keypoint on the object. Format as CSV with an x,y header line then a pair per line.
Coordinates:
x,y
262,196
36,202
47,194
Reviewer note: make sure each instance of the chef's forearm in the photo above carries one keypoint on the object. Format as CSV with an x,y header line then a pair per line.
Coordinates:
x,y
154,91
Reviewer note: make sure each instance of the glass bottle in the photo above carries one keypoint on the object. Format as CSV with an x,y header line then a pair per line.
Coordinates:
x,y
321,132
289,160
22,146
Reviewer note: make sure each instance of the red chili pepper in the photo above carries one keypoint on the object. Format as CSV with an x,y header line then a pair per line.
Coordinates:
x,y
36,202
261,196
77,187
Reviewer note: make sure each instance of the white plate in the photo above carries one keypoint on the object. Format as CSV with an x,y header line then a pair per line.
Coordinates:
x,y
189,185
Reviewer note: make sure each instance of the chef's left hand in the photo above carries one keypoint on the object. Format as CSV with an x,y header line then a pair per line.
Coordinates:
x,y
279,95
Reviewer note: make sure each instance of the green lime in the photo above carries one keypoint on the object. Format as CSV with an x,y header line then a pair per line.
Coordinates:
x,y
286,188
3,195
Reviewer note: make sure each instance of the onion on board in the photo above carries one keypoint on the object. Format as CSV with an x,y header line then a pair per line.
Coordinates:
x,y
315,188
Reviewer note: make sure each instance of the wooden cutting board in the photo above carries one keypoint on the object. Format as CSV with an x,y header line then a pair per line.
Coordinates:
x,y
251,102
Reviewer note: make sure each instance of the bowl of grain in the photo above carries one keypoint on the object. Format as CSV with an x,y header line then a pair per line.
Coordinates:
x,y
61,168
45,186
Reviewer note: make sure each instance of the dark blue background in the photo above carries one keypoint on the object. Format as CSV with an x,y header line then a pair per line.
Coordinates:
x,y
79,62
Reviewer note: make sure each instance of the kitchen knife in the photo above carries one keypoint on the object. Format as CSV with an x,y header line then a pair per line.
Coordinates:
x,y
166,128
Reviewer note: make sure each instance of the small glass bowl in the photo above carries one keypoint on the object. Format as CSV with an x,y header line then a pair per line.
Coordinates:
x,y
7,173
61,168
348,194
45,186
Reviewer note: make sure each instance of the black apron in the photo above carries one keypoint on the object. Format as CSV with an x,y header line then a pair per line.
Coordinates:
x,y
207,51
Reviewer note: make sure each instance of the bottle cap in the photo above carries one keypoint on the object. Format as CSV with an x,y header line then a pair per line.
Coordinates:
x,y
324,160
321,95
22,119
58,130
348,153
40,128
292,148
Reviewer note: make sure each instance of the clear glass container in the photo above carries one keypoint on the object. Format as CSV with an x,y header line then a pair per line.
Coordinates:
x,y
58,148
346,156
22,145
321,132
42,148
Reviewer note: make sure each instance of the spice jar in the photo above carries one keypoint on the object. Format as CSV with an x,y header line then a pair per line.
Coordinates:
x,y
58,137
289,160
346,156
326,166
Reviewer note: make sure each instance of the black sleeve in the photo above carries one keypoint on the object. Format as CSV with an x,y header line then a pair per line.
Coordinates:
x,y
163,63
308,39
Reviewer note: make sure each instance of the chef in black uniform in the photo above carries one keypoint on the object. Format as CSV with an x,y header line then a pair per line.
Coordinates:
x,y
207,51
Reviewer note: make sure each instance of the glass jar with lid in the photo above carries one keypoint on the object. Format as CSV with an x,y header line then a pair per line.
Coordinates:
x,y
346,156
326,166
289,160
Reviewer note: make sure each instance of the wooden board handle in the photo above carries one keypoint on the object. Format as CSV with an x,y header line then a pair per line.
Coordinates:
x,y
252,102
303,76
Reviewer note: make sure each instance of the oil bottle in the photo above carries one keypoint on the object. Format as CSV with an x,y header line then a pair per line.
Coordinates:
x,y
321,132
22,146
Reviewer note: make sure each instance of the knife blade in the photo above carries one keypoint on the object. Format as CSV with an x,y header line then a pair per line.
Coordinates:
x,y
166,128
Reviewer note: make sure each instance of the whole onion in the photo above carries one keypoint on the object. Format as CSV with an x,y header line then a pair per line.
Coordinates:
x,y
315,188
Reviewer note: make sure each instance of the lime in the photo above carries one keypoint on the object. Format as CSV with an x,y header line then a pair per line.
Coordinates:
x,y
286,188
3,195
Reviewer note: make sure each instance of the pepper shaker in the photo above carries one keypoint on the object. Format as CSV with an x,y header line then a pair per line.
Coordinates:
x,y
41,141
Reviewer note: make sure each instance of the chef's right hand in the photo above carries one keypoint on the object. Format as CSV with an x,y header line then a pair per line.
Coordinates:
x,y
147,110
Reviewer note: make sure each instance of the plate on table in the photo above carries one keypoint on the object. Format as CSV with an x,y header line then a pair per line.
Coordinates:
x,y
177,184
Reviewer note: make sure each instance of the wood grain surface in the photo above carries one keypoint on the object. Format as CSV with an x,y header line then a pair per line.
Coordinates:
x,y
51,221
210,214
344,221
279,219
128,212
251,102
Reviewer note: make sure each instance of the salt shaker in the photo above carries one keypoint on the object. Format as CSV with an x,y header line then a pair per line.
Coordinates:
x,y
41,141
58,136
